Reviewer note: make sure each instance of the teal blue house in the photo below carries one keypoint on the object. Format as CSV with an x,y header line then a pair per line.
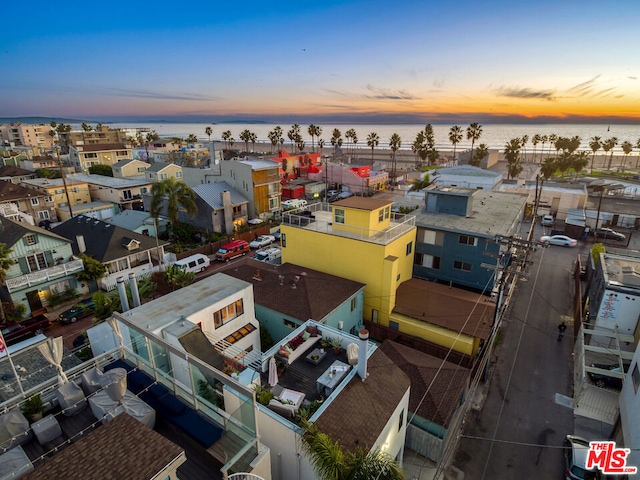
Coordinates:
x,y
288,295
460,239
43,264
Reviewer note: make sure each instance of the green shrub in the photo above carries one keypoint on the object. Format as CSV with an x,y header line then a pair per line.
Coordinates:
x,y
56,299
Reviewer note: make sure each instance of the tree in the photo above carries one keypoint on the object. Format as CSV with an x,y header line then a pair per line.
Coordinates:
x,y
394,144
579,161
252,138
627,148
353,136
607,145
537,138
543,139
208,131
523,143
512,154
100,169
481,152
273,138
177,194
314,131
373,140
149,138
594,145
331,462
178,278
226,136
637,146
192,138
548,168
552,141
294,134
93,269
336,140
418,184
455,137
86,128
418,145
5,265
564,162
245,136
474,132
320,144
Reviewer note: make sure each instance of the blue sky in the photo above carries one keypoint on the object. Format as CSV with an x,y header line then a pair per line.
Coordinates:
x,y
394,61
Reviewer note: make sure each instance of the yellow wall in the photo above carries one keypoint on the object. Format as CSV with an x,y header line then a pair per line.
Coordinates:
x,y
375,265
435,334
365,222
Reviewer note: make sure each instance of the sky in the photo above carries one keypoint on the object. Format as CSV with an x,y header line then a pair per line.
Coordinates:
x,y
369,61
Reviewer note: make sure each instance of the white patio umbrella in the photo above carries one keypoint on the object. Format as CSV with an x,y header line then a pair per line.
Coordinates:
x,y
113,323
52,351
273,372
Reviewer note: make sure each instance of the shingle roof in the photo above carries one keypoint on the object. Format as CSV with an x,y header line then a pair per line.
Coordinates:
x,y
158,167
125,162
11,232
361,411
103,240
11,191
436,385
316,294
451,308
130,219
11,171
110,182
122,448
210,193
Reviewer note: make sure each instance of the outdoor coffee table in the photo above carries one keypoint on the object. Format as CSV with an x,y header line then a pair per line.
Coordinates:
x,y
316,355
330,379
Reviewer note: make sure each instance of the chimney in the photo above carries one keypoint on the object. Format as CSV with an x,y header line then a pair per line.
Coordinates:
x,y
81,245
122,292
135,295
362,353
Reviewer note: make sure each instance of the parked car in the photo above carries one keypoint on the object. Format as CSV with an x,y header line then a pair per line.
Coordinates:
x,y
561,240
605,381
333,198
14,332
345,194
575,458
609,234
79,310
268,254
262,241
547,221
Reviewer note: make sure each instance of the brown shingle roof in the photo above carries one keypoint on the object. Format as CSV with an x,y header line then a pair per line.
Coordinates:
x,y
448,307
443,382
122,448
11,171
316,294
363,203
11,191
360,412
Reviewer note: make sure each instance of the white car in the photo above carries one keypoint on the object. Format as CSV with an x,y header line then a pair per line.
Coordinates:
x,y
561,240
262,241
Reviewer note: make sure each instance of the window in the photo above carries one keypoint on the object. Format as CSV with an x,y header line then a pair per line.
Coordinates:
x,y
141,169
283,240
36,262
289,323
35,201
393,325
458,265
178,174
401,422
228,313
427,236
59,287
338,215
143,190
163,176
121,153
387,212
467,240
118,266
90,155
116,169
48,199
409,248
635,375
152,175
381,215
428,261
126,194
59,190
76,190
43,214
239,334
237,209
30,240
354,303
273,203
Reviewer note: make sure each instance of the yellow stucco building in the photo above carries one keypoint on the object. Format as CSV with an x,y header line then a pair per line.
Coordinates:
x,y
357,238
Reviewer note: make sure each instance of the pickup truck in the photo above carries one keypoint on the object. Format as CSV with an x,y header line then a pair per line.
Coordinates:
x,y
13,332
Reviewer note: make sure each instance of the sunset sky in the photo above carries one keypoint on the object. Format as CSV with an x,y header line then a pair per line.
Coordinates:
x,y
370,60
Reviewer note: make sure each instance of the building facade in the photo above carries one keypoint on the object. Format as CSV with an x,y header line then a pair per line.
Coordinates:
x,y
18,134
256,180
84,156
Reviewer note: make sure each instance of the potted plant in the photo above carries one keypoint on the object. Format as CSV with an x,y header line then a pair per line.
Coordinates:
x,y
325,343
336,344
33,408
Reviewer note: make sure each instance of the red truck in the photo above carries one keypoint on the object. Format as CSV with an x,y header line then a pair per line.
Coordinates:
x,y
13,332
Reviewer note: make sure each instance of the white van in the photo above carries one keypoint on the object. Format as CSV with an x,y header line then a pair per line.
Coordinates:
x,y
268,254
294,203
194,263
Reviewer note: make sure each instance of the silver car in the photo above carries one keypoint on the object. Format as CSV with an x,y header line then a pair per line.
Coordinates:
x,y
575,458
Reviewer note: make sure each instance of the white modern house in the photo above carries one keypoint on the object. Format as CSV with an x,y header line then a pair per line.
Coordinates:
x,y
465,176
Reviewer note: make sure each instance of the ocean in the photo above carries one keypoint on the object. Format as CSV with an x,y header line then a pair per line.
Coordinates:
x,y
494,135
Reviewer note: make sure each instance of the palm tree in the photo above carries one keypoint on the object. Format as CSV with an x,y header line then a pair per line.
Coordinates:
x,y
208,131
607,145
524,140
86,128
294,134
394,144
314,131
637,146
455,137
336,140
627,148
192,138
512,154
594,145
320,144
331,462
579,161
178,194
226,135
481,152
564,162
350,135
418,184
253,138
147,140
5,265
474,132
543,139
548,168
418,144
273,138
537,138
373,140
245,136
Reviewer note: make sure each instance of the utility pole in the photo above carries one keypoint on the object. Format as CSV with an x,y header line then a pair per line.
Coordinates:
x,y
64,181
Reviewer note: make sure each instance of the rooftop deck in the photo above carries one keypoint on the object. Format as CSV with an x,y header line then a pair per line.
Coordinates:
x,y
318,217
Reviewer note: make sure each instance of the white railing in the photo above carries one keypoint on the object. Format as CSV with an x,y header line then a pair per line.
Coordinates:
x,y
228,350
10,210
44,275
244,476
109,282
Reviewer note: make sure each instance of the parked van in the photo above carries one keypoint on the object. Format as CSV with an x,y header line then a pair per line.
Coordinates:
x,y
232,250
268,254
194,263
294,203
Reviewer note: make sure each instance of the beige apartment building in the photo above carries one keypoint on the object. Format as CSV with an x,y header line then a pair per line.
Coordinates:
x,y
83,156
17,134
101,135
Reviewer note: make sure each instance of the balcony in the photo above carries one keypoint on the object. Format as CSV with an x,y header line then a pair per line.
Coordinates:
x,y
45,275
318,217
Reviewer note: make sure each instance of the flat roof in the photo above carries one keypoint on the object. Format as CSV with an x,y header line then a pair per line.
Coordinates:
x,y
186,301
110,182
52,182
363,203
622,271
493,213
